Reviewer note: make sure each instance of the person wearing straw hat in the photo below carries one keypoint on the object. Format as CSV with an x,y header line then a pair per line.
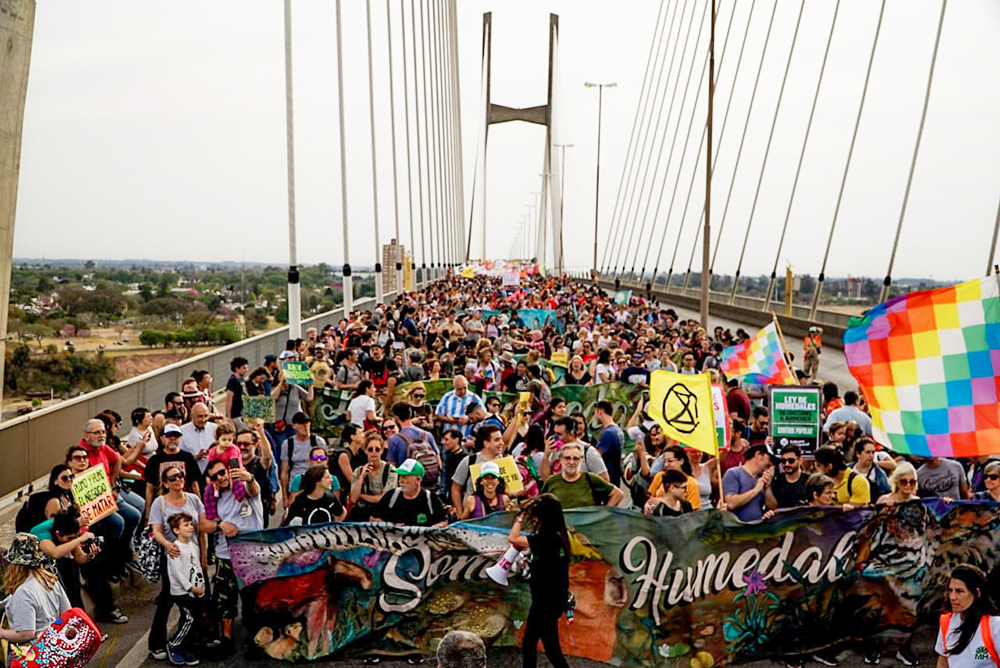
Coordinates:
x,y
38,598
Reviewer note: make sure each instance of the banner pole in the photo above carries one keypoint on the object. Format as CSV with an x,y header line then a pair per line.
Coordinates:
x,y
781,337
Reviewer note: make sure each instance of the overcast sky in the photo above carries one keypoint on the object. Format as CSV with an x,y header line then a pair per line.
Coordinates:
x,y
159,131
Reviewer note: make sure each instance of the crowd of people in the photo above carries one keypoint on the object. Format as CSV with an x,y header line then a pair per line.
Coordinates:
x,y
195,472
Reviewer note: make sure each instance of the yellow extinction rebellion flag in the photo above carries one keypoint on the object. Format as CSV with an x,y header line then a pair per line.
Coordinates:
x,y
682,406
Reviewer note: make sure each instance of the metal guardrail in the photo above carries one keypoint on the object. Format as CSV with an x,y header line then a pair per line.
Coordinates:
x,y
30,445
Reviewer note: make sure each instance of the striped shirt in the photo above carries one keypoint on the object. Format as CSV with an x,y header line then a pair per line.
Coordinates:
x,y
452,405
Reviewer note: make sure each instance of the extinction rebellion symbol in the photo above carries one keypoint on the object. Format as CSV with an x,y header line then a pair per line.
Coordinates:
x,y
680,408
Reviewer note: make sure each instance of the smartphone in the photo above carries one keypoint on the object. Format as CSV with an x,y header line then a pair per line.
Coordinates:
x,y
234,463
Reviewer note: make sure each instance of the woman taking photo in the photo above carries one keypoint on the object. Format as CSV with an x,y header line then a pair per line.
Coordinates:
x,y
968,632
315,504
172,500
550,555
488,496
36,597
370,481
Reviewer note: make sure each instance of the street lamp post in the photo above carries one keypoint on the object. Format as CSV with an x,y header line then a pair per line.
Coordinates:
x,y
597,187
562,198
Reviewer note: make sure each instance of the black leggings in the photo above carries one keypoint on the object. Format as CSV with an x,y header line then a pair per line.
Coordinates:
x,y
542,624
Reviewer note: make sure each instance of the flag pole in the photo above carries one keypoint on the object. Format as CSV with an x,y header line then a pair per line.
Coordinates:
x,y
784,347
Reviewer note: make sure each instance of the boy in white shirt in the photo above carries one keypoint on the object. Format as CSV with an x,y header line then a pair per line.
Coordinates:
x,y
187,585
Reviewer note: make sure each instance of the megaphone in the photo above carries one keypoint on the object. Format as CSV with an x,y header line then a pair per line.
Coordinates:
x,y
498,571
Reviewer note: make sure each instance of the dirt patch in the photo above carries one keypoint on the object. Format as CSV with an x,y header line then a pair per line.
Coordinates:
x,y
130,366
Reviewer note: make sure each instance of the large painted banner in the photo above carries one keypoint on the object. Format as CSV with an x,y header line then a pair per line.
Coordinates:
x,y
330,406
691,592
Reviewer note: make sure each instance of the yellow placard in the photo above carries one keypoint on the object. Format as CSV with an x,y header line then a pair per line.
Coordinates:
x,y
524,401
508,471
93,494
560,358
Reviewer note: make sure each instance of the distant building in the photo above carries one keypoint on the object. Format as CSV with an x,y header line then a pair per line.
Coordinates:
x,y
392,253
853,290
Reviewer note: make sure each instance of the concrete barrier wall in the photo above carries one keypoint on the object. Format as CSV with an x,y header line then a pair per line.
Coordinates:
x,y
747,310
32,444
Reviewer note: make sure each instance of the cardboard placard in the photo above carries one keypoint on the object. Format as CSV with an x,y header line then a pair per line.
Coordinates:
x,y
93,494
795,417
258,407
297,373
560,358
508,471
511,278
720,408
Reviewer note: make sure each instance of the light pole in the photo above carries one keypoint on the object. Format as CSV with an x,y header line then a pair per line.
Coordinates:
x,y
538,218
597,187
562,198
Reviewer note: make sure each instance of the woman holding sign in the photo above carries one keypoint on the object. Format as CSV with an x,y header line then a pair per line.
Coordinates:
x,y
489,494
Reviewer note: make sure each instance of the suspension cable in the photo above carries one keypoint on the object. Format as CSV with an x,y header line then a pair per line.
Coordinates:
x,y
371,121
619,266
887,282
420,164
993,244
680,163
658,30
348,291
746,124
847,166
392,124
718,147
673,144
767,151
798,169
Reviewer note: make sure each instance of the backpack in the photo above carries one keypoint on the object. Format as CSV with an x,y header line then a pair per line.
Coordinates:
x,y
851,475
984,631
313,443
423,452
427,497
32,512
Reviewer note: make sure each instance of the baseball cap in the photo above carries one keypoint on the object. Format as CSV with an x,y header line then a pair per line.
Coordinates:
x,y
287,355
319,346
300,418
488,468
171,430
410,467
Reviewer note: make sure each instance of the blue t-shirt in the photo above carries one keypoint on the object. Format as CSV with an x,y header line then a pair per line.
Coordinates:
x,y
737,481
610,444
44,531
398,447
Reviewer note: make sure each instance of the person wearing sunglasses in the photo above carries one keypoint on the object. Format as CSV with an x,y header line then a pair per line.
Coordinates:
x,y
370,482
788,488
233,506
991,477
171,501
903,483
170,454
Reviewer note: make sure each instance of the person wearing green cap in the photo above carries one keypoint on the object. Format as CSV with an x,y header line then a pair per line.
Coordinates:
x,y
409,504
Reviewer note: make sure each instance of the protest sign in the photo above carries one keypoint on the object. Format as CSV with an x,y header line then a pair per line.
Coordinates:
x,y
297,373
623,297
650,592
560,358
508,472
258,407
795,416
93,494
720,409
511,278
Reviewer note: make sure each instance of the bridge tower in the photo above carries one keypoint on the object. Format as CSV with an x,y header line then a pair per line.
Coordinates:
x,y
539,115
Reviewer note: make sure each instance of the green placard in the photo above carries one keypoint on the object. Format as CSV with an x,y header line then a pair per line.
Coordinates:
x,y
795,417
258,407
297,373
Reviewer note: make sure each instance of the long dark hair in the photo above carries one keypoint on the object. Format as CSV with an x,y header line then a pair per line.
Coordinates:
x,y
57,471
975,580
311,479
544,514
678,451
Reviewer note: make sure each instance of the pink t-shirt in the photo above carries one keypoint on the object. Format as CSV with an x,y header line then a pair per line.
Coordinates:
x,y
225,456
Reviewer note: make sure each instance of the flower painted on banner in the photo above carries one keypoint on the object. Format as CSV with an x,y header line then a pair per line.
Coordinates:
x,y
754,581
